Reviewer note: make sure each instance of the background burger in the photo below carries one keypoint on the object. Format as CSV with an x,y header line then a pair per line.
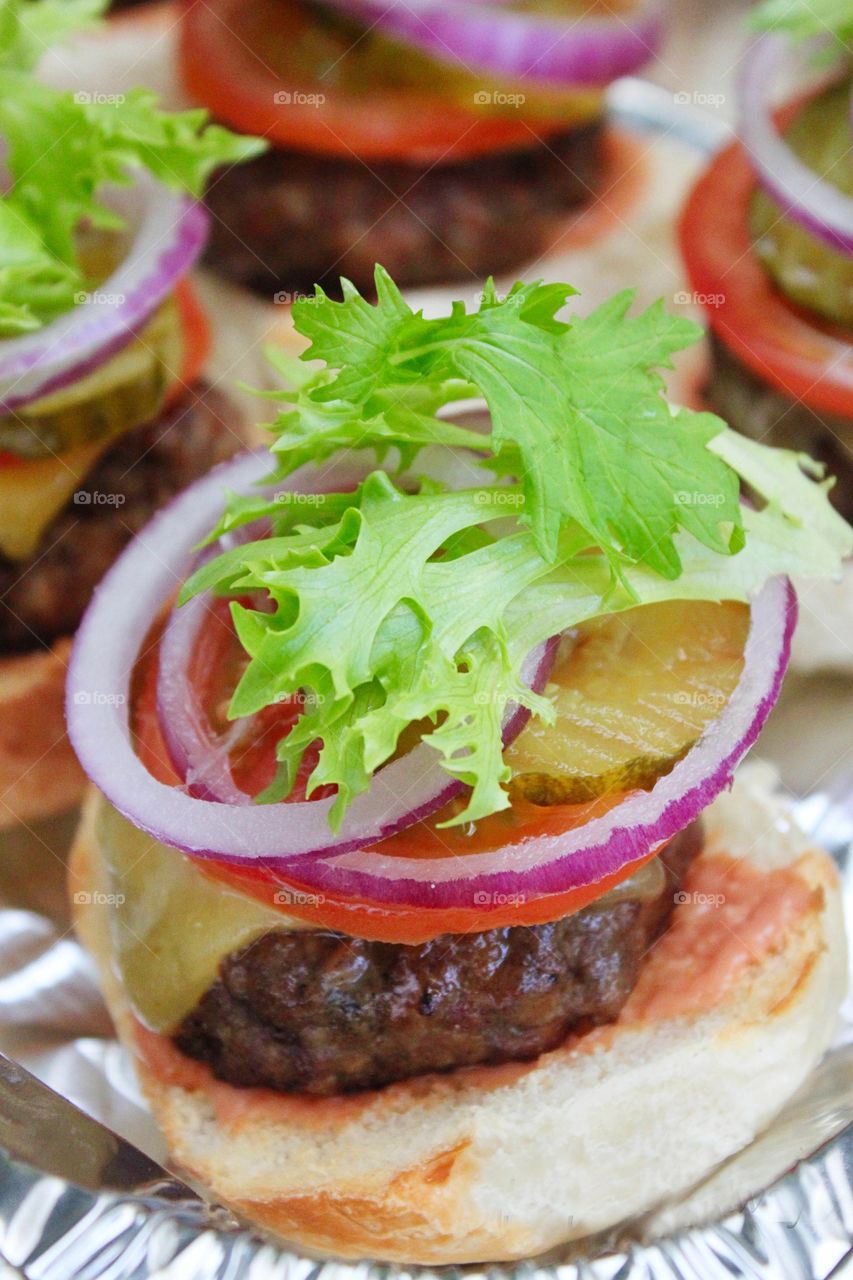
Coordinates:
x,y
767,237
103,410
444,141
433,934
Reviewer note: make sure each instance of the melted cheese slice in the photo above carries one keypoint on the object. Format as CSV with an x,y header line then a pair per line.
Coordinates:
x,y
171,924
32,494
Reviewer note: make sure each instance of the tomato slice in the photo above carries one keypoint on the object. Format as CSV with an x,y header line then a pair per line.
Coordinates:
x,y
361,917
411,925
195,340
787,348
271,68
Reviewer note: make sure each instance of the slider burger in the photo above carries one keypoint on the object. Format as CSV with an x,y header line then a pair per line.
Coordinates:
x,y
767,237
408,864
103,413
445,139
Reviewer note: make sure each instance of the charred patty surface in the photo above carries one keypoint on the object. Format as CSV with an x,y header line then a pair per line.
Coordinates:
x,y
758,410
288,220
46,597
322,1013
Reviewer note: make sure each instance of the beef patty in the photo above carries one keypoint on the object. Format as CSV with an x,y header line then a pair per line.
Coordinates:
x,y
46,596
324,1013
758,410
288,220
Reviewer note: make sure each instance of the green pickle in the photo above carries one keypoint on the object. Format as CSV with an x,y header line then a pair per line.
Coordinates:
x,y
336,50
632,693
124,392
806,270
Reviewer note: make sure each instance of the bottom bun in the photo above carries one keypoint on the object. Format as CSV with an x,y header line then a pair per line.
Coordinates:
x,y
733,1008
39,773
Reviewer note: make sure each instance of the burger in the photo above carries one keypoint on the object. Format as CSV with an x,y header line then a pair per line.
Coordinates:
x,y
421,894
767,238
445,141
103,411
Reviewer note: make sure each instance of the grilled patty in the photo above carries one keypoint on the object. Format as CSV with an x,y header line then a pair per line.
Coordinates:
x,y
758,410
323,1013
45,597
288,220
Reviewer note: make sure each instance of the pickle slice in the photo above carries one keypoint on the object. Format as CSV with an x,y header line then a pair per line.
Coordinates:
x,y
632,693
806,270
120,394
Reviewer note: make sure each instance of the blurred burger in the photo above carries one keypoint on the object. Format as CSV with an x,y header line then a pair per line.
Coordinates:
x,y
445,140
103,410
767,237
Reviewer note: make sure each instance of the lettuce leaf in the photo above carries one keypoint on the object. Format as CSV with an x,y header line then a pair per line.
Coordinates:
x,y
60,150
412,605
803,19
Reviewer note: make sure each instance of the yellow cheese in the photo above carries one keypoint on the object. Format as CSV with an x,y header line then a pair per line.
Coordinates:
x,y
33,493
171,924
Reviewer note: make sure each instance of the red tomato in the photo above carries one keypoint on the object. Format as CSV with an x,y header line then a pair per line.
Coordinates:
x,y
267,68
195,339
787,348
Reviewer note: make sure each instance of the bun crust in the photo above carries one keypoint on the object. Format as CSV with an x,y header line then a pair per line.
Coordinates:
x,y
39,773
500,1163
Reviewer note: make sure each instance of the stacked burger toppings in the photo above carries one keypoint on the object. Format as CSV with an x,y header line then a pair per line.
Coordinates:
x,y
400,791
103,413
767,237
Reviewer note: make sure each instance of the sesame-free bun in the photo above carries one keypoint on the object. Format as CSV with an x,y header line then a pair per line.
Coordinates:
x,y
497,1163
39,773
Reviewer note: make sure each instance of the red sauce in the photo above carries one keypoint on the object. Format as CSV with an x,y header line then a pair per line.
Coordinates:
x,y
730,916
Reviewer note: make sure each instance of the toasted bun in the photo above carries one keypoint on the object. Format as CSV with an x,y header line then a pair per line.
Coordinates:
x,y
505,1162
39,773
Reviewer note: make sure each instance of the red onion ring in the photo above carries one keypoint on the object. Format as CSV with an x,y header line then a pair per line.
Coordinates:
x,y
200,759
803,196
169,231
582,52
556,864
121,613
